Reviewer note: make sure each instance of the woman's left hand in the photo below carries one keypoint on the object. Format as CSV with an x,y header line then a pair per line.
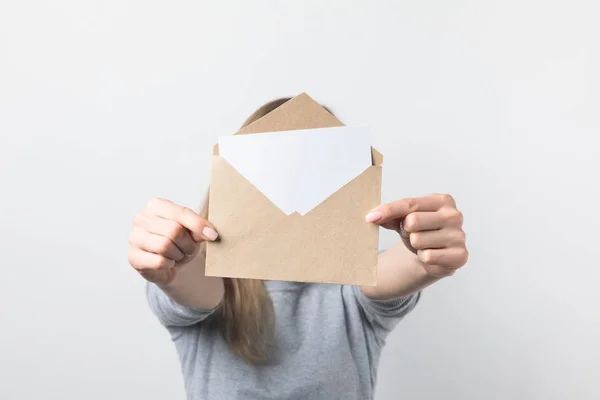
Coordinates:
x,y
431,227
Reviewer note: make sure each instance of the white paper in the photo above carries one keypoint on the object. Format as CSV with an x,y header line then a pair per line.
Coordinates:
x,y
299,169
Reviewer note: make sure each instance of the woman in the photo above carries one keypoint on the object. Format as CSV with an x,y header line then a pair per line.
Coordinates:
x,y
248,339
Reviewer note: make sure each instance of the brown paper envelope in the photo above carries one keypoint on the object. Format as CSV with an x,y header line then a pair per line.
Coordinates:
x,y
332,243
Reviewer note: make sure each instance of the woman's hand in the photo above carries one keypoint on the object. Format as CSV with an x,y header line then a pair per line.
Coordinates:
x,y
431,227
164,236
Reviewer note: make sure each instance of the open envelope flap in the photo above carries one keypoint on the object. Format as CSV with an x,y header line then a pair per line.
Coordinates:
x,y
332,243
301,112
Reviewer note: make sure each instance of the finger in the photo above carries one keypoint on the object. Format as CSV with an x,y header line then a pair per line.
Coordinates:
x,y
401,208
171,230
155,244
423,221
438,271
159,276
200,229
437,239
143,261
453,257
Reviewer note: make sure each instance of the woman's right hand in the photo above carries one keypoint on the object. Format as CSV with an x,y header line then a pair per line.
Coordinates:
x,y
164,236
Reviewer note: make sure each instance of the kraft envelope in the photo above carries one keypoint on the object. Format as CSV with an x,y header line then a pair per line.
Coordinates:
x,y
331,243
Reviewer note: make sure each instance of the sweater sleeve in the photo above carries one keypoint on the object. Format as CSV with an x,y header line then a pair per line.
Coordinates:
x,y
383,315
170,313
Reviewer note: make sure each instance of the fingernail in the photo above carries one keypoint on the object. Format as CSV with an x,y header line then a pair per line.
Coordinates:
x,y
210,233
374,216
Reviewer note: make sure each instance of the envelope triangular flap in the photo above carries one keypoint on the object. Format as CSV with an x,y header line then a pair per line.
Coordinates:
x,y
332,243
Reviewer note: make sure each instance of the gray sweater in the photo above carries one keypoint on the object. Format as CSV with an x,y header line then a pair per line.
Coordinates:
x,y
329,339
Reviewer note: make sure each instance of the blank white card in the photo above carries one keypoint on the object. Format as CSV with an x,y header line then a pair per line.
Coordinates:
x,y
299,169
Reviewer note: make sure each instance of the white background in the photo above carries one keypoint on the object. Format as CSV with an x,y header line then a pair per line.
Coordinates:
x,y
104,104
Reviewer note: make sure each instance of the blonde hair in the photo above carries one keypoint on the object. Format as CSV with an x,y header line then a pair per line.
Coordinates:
x,y
246,317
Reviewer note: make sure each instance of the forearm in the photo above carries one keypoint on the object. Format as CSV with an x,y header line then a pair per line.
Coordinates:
x,y
399,274
191,288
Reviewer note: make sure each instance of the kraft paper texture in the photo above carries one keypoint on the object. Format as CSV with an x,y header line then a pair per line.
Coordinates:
x,y
332,243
